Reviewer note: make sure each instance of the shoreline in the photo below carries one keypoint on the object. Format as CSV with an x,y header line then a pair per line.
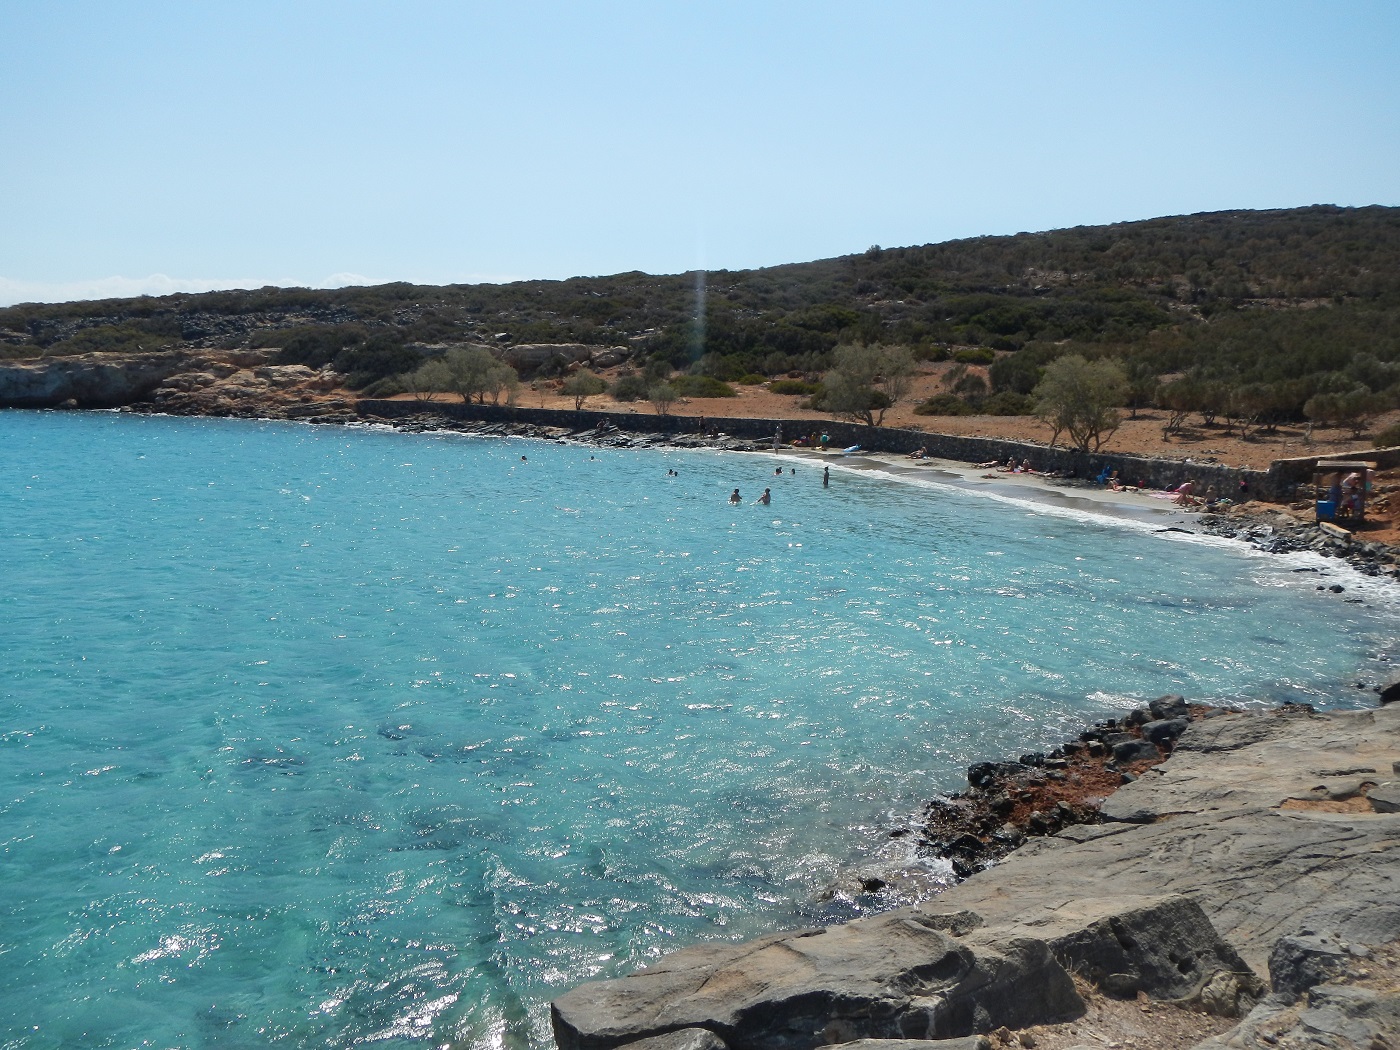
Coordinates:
x,y
1242,887
1031,488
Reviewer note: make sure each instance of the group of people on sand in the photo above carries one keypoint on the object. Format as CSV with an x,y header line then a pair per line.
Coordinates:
x,y
1110,479
1024,467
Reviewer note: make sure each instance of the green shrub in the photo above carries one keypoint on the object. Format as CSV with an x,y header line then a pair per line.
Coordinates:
x,y
1389,437
944,405
1009,403
630,388
112,339
975,355
751,379
793,386
386,387
701,386
931,352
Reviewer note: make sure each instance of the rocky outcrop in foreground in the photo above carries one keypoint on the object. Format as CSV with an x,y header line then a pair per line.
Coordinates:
x,y
1254,876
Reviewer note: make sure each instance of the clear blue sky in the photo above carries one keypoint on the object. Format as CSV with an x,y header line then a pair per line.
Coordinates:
x,y
148,146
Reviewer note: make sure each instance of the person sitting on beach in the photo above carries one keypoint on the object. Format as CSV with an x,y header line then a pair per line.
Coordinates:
x,y
1010,467
1024,468
766,498
734,497
1184,498
919,453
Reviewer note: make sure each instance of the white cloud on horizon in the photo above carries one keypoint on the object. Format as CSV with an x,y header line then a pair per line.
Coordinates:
x,y
16,291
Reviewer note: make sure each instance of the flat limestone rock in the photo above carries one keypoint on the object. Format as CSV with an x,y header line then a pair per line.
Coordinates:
x,y
684,1039
1216,823
1385,798
895,975
967,1042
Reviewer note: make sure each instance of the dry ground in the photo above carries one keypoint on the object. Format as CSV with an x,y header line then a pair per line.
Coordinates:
x,y
1142,435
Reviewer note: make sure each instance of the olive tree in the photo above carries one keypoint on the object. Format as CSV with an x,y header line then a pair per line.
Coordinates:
x,y
1352,409
433,377
581,386
476,372
1080,398
662,396
864,380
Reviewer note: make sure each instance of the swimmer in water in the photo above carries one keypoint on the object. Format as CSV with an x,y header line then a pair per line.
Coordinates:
x,y
734,497
766,498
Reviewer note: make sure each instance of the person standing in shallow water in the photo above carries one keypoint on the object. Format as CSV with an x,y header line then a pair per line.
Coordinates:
x,y
734,497
766,498
826,477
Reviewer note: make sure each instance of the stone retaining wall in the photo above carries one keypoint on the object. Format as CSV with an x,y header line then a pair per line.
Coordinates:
x,y
1154,472
1302,468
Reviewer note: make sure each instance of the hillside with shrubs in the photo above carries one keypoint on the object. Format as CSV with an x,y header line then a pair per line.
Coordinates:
x,y
1256,317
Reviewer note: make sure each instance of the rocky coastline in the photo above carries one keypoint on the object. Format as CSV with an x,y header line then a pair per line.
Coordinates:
x,y
1240,889
1267,529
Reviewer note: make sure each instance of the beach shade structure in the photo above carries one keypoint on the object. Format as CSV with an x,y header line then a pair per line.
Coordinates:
x,y
1340,487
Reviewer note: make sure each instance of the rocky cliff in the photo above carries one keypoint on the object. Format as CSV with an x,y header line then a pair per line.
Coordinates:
x,y
182,382
1254,878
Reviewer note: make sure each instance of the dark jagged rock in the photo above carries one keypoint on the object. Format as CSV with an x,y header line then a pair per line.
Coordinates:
x,y
1164,948
1390,690
1135,750
984,773
1169,706
1299,962
1164,732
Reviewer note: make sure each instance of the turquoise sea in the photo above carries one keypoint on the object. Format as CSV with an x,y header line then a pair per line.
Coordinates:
x,y
322,737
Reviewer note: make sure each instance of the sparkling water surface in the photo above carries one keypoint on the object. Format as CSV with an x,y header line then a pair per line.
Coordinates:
x,y
321,737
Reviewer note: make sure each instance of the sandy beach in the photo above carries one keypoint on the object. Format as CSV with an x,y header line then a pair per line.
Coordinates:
x,y
1133,504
